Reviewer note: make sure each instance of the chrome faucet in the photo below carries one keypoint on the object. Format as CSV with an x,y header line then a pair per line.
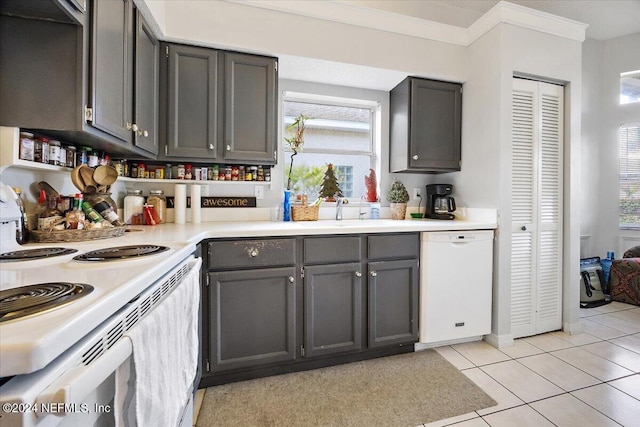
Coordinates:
x,y
341,201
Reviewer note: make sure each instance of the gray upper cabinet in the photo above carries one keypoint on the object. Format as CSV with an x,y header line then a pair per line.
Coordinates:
x,y
147,86
190,104
218,106
425,126
250,108
112,68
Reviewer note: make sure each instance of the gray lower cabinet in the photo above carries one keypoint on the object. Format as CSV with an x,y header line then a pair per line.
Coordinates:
x,y
281,304
393,289
425,126
332,309
252,318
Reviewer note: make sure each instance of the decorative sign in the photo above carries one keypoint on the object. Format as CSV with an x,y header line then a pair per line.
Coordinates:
x,y
219,202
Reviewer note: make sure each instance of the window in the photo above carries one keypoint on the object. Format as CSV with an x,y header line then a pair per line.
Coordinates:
x,y
630,87
630,176
338,131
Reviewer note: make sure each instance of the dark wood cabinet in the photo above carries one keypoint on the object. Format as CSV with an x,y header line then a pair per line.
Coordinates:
x,y
425,126
218,106
252,318
281,304
111,77
250,106
190,107
146,86
332,309
393,292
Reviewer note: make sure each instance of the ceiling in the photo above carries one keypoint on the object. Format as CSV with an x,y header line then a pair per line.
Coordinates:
x,y
607,19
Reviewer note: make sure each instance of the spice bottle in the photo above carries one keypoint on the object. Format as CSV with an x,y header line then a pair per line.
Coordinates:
x,y
27,146
54,152
75,217
22,232
51,216
187,172
181,171
41,153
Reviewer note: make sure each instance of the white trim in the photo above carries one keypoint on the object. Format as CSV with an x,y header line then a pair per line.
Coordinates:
x,y
502,13
499,341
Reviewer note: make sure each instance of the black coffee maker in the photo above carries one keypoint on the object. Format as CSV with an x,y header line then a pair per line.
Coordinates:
x,y
440,203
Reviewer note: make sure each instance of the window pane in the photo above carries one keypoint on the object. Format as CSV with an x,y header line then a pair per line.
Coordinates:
x,y
630,176
630,87
336,134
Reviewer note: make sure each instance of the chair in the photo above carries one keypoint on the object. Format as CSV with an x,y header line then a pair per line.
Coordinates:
x,y
624,278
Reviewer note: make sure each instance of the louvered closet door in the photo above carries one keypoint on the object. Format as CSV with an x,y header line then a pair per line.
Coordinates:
x,y
536,208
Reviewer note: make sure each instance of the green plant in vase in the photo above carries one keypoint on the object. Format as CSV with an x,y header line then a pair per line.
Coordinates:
x,y
398,196
295,140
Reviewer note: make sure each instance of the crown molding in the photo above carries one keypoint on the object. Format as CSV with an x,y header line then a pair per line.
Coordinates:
x,y
503,12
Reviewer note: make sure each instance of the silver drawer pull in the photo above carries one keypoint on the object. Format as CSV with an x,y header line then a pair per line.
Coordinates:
x,y
415,157
358,274
374,273
291,279
253,252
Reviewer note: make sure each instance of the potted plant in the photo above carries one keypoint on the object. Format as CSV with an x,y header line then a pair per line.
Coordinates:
x,y
295,141
398,198
330,187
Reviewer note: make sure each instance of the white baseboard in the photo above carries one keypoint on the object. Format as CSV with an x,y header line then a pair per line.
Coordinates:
x,y
499,341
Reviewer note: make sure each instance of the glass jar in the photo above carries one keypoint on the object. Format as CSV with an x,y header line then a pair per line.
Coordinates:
x,y
133,203
187,172
27,146
181,171
141,170
54,152
227,173
71,156
167,171
235,173
159,202
93,159
41,152
254,173
82,158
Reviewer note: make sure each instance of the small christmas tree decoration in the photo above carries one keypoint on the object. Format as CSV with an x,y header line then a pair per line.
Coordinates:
x,y
330,187
371,183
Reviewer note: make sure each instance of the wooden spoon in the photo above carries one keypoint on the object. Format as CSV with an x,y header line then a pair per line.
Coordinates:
x,y
87,176
77,179
105,175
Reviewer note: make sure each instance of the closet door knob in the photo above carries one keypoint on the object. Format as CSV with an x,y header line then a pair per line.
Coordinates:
x,y
523,228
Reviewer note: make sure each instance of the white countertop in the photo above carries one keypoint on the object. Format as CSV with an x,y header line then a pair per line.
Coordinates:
x,y
30,343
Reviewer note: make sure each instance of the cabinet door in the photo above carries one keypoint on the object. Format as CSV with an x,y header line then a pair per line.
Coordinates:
x,y
111,68
252,318
332,309
250,108
192,79
393,302
435,123
146,87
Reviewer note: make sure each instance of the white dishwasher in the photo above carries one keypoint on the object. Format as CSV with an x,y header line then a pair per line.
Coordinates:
x,y
455,285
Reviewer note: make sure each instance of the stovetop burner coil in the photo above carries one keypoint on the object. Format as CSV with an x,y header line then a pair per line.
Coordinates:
x,y
29,254
24,300
121,252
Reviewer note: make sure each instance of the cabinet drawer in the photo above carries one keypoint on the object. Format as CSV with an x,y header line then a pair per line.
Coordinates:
x,y
251,253
332,249
393,246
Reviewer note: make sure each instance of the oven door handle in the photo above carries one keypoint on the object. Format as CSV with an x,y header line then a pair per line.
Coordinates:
x,y
74,385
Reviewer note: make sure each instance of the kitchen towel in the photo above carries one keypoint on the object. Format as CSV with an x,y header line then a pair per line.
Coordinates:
x,y
180,204
196,214
165,355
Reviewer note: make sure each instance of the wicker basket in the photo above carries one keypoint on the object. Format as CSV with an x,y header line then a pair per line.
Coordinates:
x,y
75,235
304,213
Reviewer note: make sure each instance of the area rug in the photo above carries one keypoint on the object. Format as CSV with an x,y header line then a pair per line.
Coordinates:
x,y
403,390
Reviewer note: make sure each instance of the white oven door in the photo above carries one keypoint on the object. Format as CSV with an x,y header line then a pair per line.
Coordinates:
x,y
78,388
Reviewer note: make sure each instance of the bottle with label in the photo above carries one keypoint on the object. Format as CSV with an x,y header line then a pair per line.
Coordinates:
x,y
54,152
27,146
106,211
41,153
75,217
159,202
51,216
22,232
91,213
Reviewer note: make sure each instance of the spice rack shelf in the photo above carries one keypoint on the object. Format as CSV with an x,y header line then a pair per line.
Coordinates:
x,y
193,181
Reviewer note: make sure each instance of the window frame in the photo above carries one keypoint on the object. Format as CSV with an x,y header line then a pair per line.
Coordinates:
x,y
375,108
620,175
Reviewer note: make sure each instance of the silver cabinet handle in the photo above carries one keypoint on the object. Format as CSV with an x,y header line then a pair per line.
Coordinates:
x,y
228,148
415,157
133,127
291,279
253,252
358,274
145,133
374,273
211,147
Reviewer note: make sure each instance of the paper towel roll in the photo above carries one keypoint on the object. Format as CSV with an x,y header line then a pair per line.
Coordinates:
x,y
196,214
180,203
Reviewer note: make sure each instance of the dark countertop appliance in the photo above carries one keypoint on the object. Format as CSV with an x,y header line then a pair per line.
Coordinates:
x,y
440,203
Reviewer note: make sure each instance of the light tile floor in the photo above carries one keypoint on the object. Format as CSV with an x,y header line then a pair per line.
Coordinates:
x,y
556,379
